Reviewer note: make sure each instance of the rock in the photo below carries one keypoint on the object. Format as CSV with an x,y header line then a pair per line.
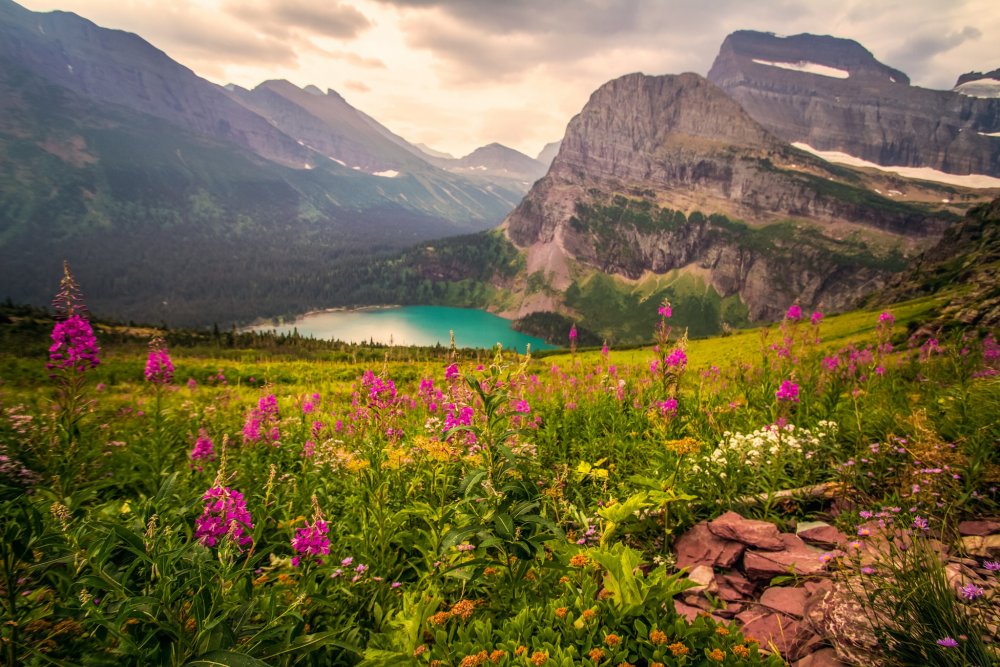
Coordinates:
x,y
985,547
825,657
979,528
687,611
704,576
833,612
699,601
796,556
699,546
756,534
734,587
773,629
821,534
788,600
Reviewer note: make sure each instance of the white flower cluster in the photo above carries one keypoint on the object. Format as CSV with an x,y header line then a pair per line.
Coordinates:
x,y
765,446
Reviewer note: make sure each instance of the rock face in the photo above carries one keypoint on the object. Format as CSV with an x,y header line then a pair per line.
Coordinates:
x,y
967,255
649,160
833,95
978,84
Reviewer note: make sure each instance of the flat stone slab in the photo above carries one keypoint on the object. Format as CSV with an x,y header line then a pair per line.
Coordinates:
x,y
788,600
979,528
821,534
700,546
796,556
753,533
773,629
734,587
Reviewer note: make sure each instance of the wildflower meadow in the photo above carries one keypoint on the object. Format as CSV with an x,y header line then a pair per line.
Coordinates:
x,y
170,504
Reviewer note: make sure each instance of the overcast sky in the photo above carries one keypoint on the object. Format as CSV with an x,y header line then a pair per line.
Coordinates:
x,y
457,74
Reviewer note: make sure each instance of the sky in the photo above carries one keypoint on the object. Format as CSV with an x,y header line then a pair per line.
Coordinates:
x,y
458,74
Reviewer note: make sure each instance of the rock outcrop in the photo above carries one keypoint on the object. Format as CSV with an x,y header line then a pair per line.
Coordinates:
x,y
833,95
658,173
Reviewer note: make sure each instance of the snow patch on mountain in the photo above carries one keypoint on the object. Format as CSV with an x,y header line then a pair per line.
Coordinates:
x,y
808,67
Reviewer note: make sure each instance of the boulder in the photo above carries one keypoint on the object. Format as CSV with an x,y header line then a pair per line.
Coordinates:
x,y
687,611
700,546
757,534
834,612
987,546
704,576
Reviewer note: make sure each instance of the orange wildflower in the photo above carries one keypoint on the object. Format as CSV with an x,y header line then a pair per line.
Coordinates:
x,y
679,649
658,637
612,640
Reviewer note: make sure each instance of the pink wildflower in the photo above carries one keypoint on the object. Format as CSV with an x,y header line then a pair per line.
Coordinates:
x,y
225,515
159,367
794,313
788,391
311,541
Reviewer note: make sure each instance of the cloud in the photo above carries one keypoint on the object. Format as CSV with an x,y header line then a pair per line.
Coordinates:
x,y
281,18
358,86
919,51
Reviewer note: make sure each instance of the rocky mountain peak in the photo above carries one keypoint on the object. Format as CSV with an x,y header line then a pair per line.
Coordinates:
x,y
800,55
833,95
979,84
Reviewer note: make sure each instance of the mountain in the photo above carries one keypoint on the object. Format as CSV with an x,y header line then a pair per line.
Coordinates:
x,y
965,262
548,153
176,200
500,160
665,187
978,84
427,150
833,95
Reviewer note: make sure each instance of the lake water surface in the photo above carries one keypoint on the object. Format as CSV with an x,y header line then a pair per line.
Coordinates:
x,y
412,325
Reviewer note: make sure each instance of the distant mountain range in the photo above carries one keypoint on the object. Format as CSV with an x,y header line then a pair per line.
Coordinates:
x,y
801,169
156,183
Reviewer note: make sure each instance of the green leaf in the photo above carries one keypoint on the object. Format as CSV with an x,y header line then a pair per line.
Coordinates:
x,y
227,659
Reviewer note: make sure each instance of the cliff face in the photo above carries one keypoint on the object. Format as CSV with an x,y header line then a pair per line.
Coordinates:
x,y
668,172
833,95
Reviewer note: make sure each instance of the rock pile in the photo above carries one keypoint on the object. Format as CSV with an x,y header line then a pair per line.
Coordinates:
x,y
812,620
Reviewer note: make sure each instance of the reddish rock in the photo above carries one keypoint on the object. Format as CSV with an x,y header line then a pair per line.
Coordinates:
x,y
734,587
979,528
825,657
796,556
987,546
791,601
756,534
773,630
699,546
821,534
687,611
704,576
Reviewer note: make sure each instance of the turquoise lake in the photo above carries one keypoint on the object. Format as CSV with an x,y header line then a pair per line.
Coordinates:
x,y
412,325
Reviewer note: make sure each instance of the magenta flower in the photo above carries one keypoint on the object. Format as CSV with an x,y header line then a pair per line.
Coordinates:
x,y
665,310
947,642
451,372
992,565
794,313
203,450
311,541
886,318
668,408
159,368
225,515
572,333
676,359
522,406
970,591
788,391
816,318
74,347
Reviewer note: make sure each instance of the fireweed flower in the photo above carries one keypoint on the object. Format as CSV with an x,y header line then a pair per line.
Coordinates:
x,y
816,318
665,310
225,515
886,318
74,347
311,541
668,408
794,313
203,450
788,391
159,367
